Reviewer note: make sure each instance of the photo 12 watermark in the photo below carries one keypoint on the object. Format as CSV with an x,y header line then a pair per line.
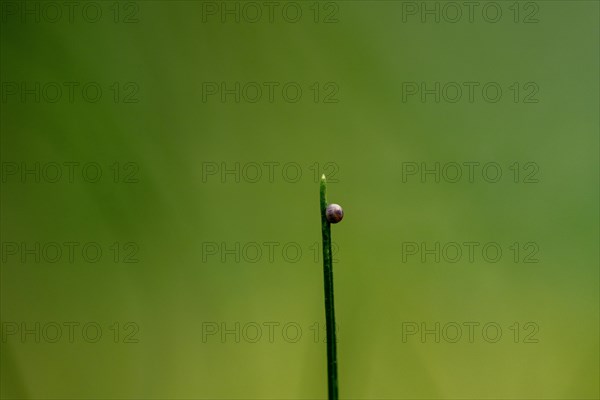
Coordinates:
x,y
469,332
526,172
71,332
69,12
268,171
268,252
69,92
264,332
70,252
285,92
470,92
270,12
70,172
470,252
471,12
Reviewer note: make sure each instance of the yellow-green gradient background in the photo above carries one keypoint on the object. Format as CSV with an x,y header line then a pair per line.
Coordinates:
x,y
368,134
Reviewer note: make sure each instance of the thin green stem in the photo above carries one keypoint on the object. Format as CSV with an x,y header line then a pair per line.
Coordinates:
x,y
332,379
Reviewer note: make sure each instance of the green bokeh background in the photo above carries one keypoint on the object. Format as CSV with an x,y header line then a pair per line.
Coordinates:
x,y
368,134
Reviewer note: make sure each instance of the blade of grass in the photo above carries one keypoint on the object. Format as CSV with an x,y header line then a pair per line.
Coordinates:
x,y
332,378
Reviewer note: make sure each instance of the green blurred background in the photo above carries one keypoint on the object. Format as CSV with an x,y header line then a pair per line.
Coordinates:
x,y
187,310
